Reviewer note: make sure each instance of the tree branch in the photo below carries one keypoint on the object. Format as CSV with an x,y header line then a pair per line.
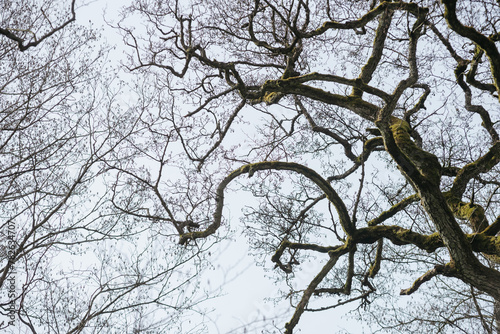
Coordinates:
x,y
330,193
447,270
21,42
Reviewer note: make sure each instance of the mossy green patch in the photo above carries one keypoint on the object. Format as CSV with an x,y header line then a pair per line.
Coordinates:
x,y
426,163
474,213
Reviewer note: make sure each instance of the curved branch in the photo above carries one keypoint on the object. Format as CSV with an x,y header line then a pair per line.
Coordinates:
x,y
482,165
421,101
378,49
256,41
471,75
330,193
489,47
285,244
413,74
478,109
368,17
368,147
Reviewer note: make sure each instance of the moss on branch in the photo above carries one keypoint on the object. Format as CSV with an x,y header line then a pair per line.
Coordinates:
x,y
474,213
272,90
426,163
398,236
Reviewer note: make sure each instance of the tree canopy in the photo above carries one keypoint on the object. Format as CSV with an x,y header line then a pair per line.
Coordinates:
x,y
366,133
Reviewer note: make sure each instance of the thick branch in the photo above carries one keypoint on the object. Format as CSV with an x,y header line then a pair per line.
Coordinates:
x,y
474,213
469,268
493,229
398,236
291,86
360,84
375,266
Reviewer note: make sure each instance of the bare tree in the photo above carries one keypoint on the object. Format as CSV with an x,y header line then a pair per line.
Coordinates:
x,y
70,262
369,132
